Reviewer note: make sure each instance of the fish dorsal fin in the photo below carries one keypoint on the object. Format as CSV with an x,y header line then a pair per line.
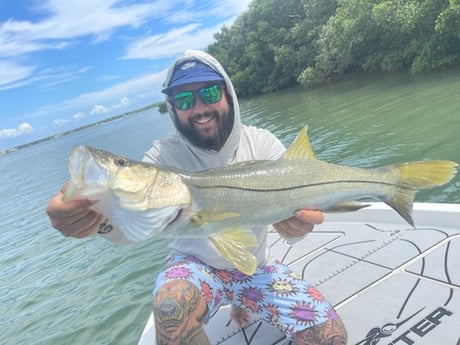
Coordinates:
x,y
300,147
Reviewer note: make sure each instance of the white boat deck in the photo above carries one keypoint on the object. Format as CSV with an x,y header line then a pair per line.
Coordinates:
x,y
391,284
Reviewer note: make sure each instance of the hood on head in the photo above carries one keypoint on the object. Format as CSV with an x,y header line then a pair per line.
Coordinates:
x,y
203,58
192,72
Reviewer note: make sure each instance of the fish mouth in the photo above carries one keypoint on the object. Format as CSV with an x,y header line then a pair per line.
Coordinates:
x,y
86,173
83,165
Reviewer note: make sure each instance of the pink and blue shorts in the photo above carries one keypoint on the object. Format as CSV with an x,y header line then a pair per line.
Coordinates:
x,y
274,292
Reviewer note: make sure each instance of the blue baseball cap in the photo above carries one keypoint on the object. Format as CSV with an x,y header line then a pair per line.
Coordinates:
x,y
191,72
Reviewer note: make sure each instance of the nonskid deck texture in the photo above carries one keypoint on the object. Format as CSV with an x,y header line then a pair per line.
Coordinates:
x,y
391,284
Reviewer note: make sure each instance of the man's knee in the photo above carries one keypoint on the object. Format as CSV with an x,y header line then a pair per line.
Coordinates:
x,y
176,302
332,332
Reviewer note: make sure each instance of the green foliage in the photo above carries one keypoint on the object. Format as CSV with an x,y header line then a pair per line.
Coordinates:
x,y
269,45
279,43
162,109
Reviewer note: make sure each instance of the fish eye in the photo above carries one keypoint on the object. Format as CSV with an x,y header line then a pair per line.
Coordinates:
x,y
122,162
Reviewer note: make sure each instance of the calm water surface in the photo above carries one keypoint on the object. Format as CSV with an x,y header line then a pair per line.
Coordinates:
x,y
55,290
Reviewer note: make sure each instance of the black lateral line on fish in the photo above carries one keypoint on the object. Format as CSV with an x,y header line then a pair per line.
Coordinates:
x,y
302,186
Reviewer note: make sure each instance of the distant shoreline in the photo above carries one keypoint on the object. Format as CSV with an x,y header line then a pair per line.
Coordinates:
x,y
55,136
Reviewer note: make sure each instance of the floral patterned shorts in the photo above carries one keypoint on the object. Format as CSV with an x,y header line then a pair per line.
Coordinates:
x,y
273,292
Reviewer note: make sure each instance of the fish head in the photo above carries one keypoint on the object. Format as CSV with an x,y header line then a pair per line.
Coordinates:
x,y
139,198
138,186
91,171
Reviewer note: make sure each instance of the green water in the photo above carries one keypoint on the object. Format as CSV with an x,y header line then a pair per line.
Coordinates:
x,y
372,121
55,290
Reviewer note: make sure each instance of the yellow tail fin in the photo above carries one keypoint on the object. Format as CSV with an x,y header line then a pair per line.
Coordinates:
x,y
419,175
233,244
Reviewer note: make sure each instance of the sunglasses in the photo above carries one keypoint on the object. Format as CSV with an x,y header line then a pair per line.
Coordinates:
x,y
185,100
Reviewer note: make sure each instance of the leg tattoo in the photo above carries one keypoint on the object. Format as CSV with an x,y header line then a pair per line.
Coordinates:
x,y
179,308
332,332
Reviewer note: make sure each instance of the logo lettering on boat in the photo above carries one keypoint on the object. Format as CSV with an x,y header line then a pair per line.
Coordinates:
x,y
412,334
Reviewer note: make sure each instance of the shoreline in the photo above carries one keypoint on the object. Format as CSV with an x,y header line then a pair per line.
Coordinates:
x,y
58,135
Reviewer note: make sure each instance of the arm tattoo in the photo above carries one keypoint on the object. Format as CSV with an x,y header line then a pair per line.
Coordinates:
x,y
105,227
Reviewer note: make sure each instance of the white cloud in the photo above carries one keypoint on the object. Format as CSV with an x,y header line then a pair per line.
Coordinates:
x,y
96,110
125,101
62,24
150,83
118,95
22,129
11,72
189,32
102,109
79,116
49,76
60,123
68,21
171,43
200,11
99,109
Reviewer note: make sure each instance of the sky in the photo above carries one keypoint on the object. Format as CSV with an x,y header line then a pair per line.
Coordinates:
x,y
68,63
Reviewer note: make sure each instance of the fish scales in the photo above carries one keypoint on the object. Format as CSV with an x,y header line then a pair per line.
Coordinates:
x,y
307,183
144,200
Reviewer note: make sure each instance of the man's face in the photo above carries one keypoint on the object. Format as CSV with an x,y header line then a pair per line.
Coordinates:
x,y
206,125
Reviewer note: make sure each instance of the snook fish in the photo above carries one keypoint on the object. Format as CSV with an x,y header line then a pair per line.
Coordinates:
x,y
145,200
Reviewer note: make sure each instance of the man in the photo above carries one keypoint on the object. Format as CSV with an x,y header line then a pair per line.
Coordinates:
x,y
196,279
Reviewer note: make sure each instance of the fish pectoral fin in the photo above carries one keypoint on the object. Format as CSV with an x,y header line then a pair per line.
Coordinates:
x,y
300,147
346,206
233,244
211,216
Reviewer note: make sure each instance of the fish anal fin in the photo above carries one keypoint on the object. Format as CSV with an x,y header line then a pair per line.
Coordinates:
x,y
210,216
300,147
346,206
403,203
233,244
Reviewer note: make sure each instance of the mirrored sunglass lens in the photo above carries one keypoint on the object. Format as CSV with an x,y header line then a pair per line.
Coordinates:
x,y
184,100
211,94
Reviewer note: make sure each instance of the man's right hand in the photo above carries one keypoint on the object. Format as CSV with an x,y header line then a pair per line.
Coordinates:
x,y
73,218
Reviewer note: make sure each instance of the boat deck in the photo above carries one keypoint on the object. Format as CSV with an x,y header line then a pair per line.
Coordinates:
x,y
391,284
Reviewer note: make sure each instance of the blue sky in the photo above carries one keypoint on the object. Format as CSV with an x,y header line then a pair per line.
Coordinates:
x,y
67,63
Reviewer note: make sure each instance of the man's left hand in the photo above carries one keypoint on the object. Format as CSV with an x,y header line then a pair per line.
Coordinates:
x,y
297,227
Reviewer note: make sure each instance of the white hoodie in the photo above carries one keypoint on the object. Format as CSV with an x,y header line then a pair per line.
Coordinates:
x,y
244,143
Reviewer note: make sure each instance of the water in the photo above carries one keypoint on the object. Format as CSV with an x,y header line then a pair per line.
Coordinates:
x,y
55,290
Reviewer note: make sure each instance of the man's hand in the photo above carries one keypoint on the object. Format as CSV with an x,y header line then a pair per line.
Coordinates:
x,y
73,218
297,227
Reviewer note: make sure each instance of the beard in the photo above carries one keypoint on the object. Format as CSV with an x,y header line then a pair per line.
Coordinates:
x,y
213,140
